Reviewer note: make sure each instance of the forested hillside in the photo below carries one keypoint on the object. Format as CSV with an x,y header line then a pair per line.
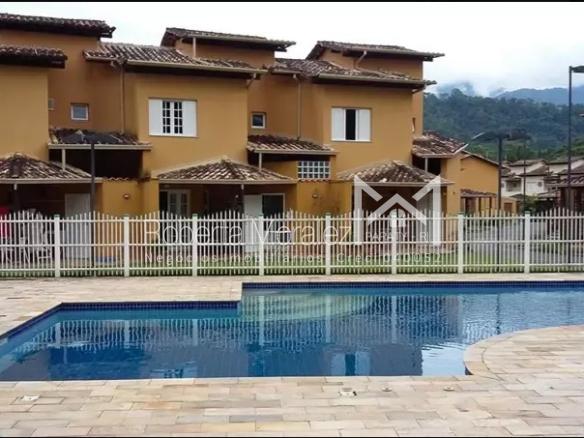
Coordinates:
x,y
462,116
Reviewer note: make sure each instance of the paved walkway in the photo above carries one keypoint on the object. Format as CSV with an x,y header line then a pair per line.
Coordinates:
x,y
525,384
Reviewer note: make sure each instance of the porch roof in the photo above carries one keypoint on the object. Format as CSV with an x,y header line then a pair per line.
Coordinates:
x,y
392,174
433,145
223,171
470,193
66,138
23,169
274,144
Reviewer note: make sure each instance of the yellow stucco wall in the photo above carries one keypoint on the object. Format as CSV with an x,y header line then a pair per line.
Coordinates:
x,y
478,174
411,67
221,118
80,81
451,170
23,113
391,134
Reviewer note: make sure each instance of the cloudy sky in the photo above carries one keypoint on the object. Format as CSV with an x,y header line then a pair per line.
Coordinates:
x,y
493,46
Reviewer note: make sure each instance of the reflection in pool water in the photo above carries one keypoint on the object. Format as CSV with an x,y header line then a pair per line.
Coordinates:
x,y
372,331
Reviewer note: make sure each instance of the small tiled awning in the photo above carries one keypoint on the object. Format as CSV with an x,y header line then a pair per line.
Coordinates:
x,y
82,139
470,193
224,171
272,144
392,174
23,169
434,145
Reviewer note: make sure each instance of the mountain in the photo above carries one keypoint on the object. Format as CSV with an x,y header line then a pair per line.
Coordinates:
x,y
465,87
557,96
462,116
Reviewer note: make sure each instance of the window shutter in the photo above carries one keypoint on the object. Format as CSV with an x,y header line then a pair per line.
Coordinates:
x,y
155,116
338,124
364,125
190,118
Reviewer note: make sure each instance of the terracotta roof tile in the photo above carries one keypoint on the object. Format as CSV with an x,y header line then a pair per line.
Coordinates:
x,y
173,33
223,171
379,49
67,136
470,193
70,26
391,173
327,70
285,145
22,168
31,55
434,145
136,54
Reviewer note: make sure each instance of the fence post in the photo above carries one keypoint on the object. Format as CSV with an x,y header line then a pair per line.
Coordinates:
x,y
393,228
527,243
327,243
57,244
261,235
126,246
460,258
195,245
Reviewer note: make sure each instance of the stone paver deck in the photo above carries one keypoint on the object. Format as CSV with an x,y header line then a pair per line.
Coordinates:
x,y
524,384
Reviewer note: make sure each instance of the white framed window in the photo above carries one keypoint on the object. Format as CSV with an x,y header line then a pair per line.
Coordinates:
x,y
258,120
313,169
172,117
51,104
351,124
79,111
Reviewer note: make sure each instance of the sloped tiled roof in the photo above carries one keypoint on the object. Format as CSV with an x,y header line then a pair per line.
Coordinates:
x,y
31,55
528,162
356,49
69,26
575,170
67,136
20,168
136,54
480,157
470,193
174,33
542,170
286,145
327,70
434,145
223,171
391,173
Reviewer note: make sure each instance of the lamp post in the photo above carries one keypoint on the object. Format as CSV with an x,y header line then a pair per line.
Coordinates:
x,y
571,71
501,136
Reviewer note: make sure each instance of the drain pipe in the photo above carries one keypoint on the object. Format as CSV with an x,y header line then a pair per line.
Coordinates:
x,y
298,107
360,58
250,81
122,67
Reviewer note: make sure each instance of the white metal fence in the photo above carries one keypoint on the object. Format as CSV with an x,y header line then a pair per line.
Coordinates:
x,y
231,243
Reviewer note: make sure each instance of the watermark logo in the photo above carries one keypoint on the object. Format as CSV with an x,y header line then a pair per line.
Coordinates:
x,y
429,218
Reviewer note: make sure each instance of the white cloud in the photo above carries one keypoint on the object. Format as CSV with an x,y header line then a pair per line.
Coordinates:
x,y
492,45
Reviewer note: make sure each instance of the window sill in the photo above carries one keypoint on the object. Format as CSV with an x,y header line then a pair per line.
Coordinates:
x,y
172,136
351,141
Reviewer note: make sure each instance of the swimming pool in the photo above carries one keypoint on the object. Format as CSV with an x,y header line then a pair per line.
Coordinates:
x,y
393,329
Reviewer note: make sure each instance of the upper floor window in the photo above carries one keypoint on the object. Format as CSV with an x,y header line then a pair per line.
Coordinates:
x,y
258,120
351,124
172,117
79,111
312,169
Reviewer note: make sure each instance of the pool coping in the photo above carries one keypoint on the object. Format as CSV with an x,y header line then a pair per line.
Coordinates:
x,y
515,402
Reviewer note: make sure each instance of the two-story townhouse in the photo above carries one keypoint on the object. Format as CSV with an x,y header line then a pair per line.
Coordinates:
x,y
210,121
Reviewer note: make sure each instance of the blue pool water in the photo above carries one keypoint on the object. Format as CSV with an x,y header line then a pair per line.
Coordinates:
x,y
383,330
